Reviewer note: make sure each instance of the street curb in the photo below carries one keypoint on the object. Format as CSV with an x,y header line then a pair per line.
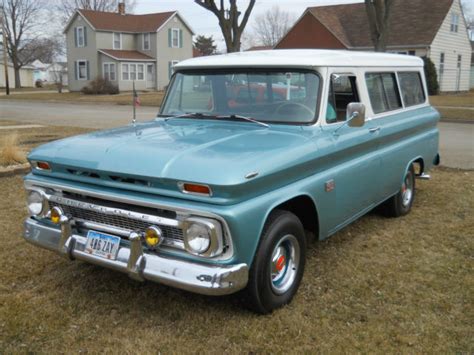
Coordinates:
x,y
14,170
447,120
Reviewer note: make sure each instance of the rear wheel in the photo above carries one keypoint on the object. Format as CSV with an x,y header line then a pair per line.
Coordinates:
x,y
400,204
279,263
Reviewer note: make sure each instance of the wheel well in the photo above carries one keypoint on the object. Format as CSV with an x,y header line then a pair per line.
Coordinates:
x,y
304,208
419,165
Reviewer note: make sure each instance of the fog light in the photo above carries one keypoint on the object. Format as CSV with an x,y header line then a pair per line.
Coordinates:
x,y
35,203
153,237
56,214
198,238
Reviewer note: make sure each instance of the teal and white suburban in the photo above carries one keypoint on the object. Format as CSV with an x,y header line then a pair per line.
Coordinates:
x,y
251,156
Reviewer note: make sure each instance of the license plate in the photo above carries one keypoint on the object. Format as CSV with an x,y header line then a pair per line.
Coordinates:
x,y
103,245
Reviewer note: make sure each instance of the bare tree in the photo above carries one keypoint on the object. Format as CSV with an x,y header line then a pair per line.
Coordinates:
x,y
229,20
21,21
272,25
67,7
468,10
378,13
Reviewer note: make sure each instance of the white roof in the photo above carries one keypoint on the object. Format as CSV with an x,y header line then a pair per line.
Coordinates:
x,y
302,58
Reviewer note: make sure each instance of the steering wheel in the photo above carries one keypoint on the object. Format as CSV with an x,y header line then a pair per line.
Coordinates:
x,y
280,109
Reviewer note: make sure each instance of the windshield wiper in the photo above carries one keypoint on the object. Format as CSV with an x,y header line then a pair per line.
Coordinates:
x,y
243,118
191,115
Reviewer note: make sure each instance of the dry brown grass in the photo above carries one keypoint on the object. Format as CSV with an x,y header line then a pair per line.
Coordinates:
x,y
456,114
146,98
10,151
465,99
381,285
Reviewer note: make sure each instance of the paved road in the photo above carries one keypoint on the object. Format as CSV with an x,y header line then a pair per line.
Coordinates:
x,y
456,143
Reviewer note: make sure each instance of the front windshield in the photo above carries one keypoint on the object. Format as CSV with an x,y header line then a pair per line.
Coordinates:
x,y
288,96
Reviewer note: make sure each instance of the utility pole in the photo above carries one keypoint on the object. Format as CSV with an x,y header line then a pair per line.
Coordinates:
x,y
5,49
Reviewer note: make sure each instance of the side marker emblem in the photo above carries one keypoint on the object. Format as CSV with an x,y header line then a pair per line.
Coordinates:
x,y
330,185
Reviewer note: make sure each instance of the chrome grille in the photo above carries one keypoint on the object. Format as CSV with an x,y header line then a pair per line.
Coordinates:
x,y
125,223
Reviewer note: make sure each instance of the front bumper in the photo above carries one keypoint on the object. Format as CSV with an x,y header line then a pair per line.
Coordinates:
x,y
140,265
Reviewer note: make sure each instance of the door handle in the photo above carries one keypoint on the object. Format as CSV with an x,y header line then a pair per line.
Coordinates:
x,y
375,129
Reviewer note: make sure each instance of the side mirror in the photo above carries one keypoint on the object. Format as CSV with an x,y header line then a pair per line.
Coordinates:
x,y
355,114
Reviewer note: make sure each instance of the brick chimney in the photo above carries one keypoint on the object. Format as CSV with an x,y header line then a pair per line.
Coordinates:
x,y
121,8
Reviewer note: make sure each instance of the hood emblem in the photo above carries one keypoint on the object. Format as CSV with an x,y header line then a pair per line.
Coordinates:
x,y
251,175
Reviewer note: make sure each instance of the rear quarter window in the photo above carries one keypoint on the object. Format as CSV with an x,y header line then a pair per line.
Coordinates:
x,y
411,87
383,92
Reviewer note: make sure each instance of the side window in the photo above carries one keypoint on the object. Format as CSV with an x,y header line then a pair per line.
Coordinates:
x,y
383,92
412,88
342,91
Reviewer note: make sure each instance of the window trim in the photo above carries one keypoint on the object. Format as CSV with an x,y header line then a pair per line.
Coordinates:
x,y
173,31
390,111
319,100
113,40
143,41
422,88
79,71
136,65
454,26
83,28
354,74
115,70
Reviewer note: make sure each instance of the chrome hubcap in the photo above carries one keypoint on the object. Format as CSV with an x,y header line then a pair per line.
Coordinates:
x,y
284,264
407,189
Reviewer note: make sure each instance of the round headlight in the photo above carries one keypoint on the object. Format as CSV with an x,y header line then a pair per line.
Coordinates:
x,y
153,237
35,203
197,238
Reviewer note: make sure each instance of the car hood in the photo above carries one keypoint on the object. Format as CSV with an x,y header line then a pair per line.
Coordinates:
x,y
159,153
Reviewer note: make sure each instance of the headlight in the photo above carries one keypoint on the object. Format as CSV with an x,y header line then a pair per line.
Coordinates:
x,y
35,203
203,237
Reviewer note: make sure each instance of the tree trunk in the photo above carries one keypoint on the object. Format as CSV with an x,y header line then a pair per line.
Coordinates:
x,y
17,77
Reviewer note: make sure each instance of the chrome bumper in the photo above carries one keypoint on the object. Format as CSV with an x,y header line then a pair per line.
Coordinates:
x,y
139,265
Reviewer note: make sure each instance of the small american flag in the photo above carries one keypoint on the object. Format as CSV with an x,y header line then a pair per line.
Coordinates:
x,y
136,99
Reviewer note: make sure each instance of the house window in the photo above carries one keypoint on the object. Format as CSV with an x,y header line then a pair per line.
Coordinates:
x,y
441,68
454,22
133,71
412,88
175,38
412,52
459,61
383,92
82,70
125,72
117,40
109,71
140,72
146,41
171,67
80,37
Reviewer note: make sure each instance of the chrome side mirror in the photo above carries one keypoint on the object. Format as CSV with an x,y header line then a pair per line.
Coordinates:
x,y
355,114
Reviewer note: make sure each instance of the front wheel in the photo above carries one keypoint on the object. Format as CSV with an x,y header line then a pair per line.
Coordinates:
x,y
279,263
400,204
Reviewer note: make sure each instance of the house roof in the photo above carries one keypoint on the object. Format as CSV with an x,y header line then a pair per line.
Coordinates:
x,y
113,21
412,22
126,55
301,58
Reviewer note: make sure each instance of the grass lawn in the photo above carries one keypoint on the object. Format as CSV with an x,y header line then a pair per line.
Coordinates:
x,y
381,285
465,99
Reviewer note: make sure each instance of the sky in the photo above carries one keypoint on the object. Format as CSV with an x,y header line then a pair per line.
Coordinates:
x,y
204,22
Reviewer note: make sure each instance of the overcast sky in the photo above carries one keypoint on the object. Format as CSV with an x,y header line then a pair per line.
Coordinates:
x,y
205,23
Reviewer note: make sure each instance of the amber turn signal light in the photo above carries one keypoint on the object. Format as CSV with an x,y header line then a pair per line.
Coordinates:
x,y
195,189
56,214
42,165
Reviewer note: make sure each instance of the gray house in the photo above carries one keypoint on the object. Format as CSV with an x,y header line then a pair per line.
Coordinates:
x,y
126,48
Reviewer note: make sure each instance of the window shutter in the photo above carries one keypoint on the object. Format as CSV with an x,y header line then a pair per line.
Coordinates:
x,y
85,36
76,70
88,71
180,38
170,68
75,36
169,37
